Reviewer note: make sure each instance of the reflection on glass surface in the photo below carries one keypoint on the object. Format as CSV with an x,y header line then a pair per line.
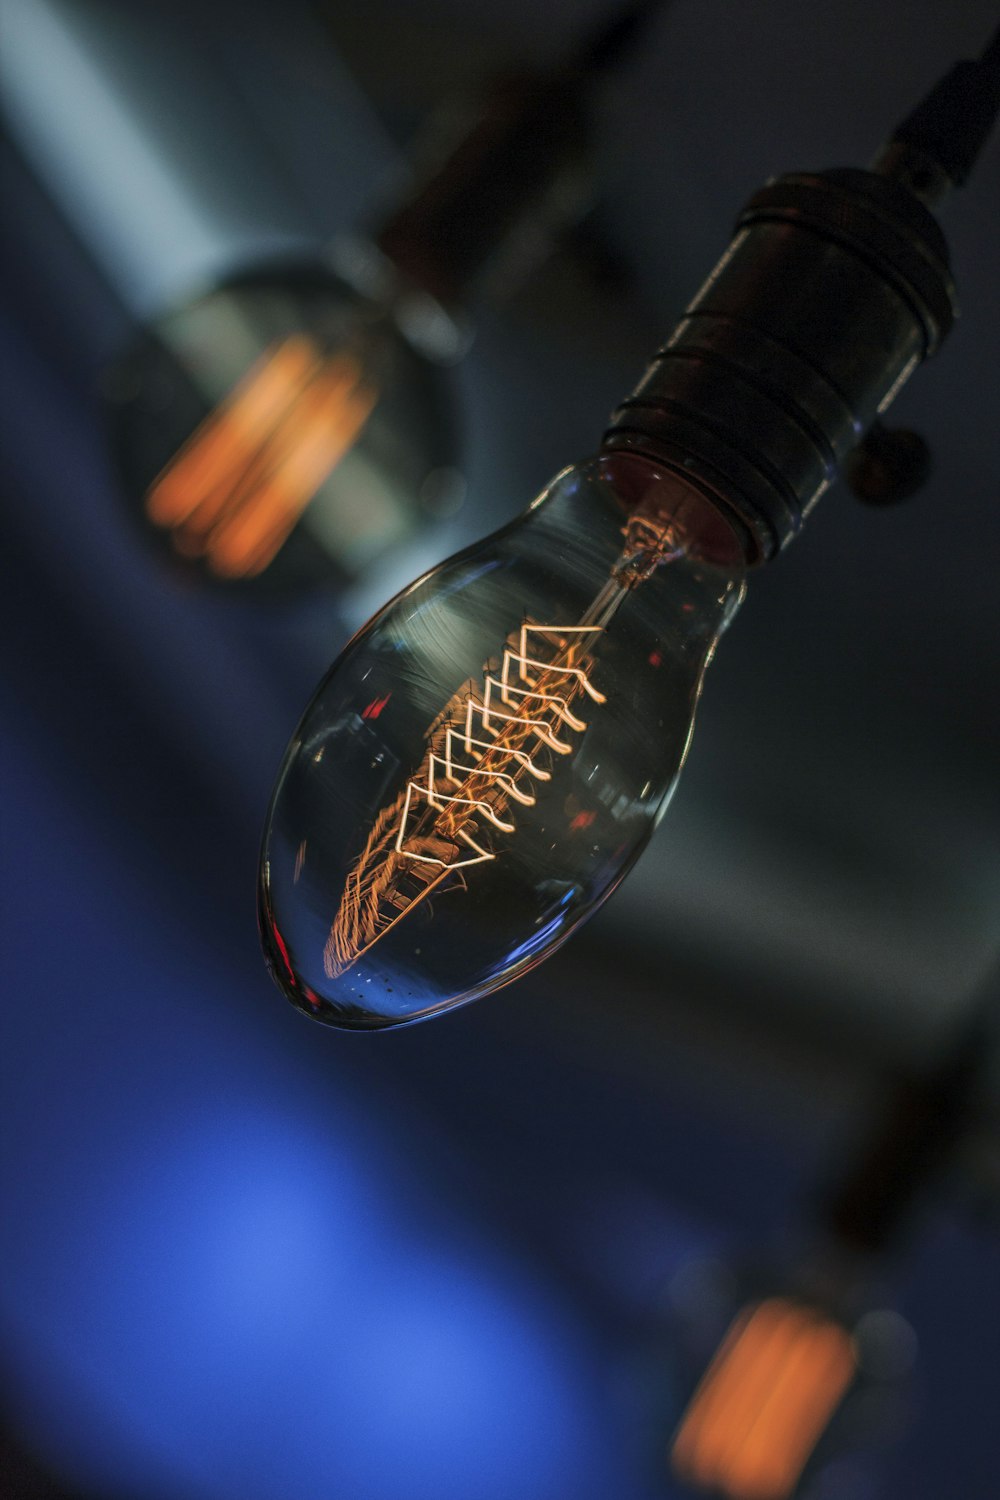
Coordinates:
x,y
488,757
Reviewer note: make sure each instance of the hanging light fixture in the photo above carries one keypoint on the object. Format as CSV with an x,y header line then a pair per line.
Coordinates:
x,y
294,424
796,1358
488,757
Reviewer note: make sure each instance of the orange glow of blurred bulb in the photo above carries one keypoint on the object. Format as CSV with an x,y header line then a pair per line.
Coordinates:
x,y
283,432
772,1389
236,489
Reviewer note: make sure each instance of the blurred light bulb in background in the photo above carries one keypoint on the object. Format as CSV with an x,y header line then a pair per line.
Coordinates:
x,y
814,1366
289,414
781,1372
281,418
802,1383
291,427
277,421
427,843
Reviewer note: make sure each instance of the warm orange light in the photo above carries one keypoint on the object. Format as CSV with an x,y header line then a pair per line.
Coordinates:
x,y
482,750
764,1402
234,491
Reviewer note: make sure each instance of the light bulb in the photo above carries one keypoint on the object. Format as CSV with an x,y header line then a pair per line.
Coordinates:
x,y
490,754
285,429
292,425
781,1372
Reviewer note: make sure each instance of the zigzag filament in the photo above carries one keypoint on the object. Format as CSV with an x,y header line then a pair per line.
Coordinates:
x,y
418,838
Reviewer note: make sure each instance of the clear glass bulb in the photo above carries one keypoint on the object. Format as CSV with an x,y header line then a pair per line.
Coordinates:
x,y
490,754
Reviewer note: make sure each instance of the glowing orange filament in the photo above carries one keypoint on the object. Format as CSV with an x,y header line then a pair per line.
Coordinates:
x,y
487,749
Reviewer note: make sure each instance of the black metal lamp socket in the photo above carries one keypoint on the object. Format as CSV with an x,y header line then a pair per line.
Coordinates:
x,y
835,287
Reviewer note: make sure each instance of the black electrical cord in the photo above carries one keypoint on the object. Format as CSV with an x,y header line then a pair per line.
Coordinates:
x,y
610,41
951,124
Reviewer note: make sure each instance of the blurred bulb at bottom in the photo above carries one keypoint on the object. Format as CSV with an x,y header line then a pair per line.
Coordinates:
x,y
491,753
283,431
781,1372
